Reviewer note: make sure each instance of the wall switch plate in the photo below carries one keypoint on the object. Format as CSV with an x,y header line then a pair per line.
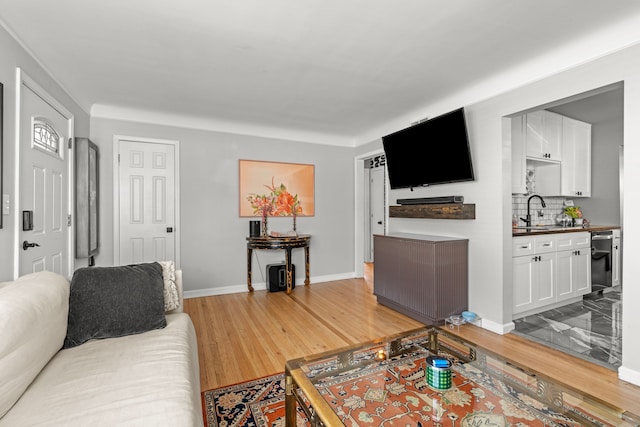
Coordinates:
x,y
6,204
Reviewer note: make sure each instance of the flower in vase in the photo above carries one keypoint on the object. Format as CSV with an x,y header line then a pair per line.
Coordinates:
x,y
279,202
573,211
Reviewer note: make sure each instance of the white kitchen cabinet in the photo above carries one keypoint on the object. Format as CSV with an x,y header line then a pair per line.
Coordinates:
x,y
556,149
525,280
575,174
534,272
518,159
543,135
616,249
549,269
573,274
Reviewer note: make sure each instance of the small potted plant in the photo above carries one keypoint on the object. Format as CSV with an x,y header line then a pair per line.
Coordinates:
x,y
575,214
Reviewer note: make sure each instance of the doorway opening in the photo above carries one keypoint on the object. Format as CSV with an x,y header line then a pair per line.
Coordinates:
x,y
591,326
375,175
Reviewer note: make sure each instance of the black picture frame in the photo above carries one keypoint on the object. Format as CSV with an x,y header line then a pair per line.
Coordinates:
x,y
1,148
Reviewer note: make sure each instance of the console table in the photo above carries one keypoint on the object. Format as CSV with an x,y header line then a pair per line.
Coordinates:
x,y
286,243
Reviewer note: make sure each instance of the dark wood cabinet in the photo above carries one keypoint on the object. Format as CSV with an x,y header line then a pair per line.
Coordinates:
x,y
424,277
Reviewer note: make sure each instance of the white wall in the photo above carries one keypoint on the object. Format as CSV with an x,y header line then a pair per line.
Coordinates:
x,y
13,55
213,250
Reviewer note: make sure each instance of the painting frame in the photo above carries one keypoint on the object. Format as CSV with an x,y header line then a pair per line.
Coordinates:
x,y
291,185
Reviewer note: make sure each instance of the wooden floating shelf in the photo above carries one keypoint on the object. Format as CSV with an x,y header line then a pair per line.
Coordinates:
x,y
440,211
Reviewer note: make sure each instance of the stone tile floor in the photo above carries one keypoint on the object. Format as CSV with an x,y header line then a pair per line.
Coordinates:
x,y
590,329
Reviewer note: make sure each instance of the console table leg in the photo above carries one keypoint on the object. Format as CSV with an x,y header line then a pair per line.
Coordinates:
x,y
306,266
249,252
287,260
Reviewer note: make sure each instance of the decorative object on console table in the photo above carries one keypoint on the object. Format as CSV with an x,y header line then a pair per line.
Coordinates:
x,y
254,228
435,211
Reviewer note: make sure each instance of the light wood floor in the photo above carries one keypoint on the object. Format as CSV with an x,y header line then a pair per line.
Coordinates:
x,y
250,335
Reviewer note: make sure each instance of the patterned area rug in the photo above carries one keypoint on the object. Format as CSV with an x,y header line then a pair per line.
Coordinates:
x,y
256,403
395,392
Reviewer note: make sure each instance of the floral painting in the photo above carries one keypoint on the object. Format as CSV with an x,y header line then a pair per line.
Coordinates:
x,y
276,189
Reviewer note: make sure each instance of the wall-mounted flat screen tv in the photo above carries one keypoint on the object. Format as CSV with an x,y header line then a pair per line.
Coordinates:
x,y
435,151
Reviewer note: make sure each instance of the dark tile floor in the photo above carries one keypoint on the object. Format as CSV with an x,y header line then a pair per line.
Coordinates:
x,y
590,329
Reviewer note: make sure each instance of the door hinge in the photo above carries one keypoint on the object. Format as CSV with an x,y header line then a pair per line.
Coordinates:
x,y
70,143
69,220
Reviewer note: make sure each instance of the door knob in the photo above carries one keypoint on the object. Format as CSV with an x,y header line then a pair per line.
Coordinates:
x,y
26,245
380,222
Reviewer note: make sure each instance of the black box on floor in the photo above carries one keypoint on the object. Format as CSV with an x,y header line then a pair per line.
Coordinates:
x,y
277,277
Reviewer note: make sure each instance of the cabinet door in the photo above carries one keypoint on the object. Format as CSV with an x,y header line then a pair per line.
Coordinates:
x,y
581,272
576,158
545,290
518,159
524,278
543,135
565,280
615,259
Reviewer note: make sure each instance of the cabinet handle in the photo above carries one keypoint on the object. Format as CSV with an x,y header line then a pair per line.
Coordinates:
x,y
546,244
524,247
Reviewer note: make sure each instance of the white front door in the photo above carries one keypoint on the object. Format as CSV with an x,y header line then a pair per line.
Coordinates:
x,y
147,197
44,226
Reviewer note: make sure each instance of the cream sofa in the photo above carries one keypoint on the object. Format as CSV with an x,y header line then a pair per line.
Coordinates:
x,y
142,379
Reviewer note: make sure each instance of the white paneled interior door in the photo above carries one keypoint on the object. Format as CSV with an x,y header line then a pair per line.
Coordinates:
x,y
147,201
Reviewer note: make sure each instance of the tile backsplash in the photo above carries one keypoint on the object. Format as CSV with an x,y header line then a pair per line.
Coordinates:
x,y
555,206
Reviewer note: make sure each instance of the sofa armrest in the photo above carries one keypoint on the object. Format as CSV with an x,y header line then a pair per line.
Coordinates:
x,y
180,308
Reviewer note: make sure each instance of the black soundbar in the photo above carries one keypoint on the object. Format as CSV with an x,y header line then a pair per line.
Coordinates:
x,y
431,200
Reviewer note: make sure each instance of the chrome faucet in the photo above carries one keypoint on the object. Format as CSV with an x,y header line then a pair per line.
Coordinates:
x,y
527,220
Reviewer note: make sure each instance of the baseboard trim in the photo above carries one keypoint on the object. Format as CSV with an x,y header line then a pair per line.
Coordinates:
x,y
261,286
497,328
629,375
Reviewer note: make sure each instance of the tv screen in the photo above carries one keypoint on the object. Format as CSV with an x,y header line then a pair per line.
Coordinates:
x,y
435,151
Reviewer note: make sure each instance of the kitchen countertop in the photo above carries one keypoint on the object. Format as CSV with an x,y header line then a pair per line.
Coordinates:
x,y
517,232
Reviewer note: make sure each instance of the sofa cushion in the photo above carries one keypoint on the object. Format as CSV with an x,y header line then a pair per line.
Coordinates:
x,y
149,379
33,324
108,302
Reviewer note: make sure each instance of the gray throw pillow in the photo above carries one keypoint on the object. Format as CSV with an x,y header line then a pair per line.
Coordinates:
x,y
107,302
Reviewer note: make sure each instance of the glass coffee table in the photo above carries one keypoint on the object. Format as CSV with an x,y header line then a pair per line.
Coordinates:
x,y
429,377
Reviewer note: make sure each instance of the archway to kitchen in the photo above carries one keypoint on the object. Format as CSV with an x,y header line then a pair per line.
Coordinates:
x,y
590,325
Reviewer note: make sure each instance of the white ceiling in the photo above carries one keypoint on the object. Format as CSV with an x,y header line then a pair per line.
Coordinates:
x,y
318,70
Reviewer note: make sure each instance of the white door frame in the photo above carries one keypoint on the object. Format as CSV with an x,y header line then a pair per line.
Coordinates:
x,y
116,192
359,219
22,79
